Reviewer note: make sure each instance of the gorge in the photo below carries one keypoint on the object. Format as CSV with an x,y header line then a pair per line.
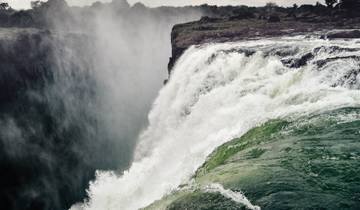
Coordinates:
x,y
259,110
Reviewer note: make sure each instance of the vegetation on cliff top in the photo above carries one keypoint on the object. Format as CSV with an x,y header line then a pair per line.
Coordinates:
x,y
238,23
43,14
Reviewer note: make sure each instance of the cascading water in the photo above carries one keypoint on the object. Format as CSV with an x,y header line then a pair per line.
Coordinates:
x,y
220,91
76,83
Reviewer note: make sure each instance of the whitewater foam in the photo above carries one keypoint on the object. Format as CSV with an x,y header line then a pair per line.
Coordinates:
x,y
235,196
216,93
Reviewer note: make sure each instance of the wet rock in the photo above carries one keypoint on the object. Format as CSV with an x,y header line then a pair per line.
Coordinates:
x,y
346,34
297,63
322,63
218,30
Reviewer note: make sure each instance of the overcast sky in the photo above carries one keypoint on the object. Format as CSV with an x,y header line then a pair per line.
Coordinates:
x,y
20,4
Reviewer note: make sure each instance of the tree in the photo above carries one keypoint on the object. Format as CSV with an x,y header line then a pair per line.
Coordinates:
x,y
4,6
330,3
293,11
270,8
271,4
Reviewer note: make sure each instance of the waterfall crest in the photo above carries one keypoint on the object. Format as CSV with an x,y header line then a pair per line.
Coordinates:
x,y
218,92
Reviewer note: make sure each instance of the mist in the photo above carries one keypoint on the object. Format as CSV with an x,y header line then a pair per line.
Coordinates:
x,y
130,51
88,80
21,4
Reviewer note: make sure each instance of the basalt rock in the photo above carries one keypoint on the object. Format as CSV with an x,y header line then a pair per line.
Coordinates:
x,y
343,34
210,30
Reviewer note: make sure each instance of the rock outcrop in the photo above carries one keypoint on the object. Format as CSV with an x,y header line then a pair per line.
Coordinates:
x,y
210,30
343,34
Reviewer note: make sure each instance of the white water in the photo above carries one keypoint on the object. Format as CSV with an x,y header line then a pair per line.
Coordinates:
x,y
235,196
214,96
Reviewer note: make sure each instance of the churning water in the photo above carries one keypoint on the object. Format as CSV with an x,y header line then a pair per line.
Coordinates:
x,y
218,92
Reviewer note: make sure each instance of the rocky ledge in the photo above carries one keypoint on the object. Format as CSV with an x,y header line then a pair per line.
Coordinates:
x,y
210,30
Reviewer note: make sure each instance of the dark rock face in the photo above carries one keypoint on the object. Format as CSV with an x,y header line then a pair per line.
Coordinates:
x,y
344,34
350,4
58,124
52,135
47,152
212,30
297,63
21,67
49,148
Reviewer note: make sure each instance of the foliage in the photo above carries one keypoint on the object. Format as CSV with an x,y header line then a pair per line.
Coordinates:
x,y
270,7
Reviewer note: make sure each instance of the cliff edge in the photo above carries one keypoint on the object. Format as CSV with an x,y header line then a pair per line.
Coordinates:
x,y
286,23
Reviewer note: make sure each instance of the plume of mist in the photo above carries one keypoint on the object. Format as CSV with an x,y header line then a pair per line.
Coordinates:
x,y
130,51
86,84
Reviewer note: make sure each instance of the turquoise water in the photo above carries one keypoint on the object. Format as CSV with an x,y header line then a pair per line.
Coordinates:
x,y
307,163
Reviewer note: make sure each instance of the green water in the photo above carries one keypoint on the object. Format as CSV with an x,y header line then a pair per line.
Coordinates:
x,y
307,163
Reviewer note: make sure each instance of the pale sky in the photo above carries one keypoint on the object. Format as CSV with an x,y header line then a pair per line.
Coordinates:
x,y
21,4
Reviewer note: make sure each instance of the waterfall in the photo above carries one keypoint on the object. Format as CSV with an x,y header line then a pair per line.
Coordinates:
x,y
218,92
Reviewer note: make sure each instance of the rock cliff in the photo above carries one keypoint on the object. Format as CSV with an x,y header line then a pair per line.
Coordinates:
x,y
231,29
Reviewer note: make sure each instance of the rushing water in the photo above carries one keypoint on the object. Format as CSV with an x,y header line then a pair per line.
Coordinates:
x,y
218,92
